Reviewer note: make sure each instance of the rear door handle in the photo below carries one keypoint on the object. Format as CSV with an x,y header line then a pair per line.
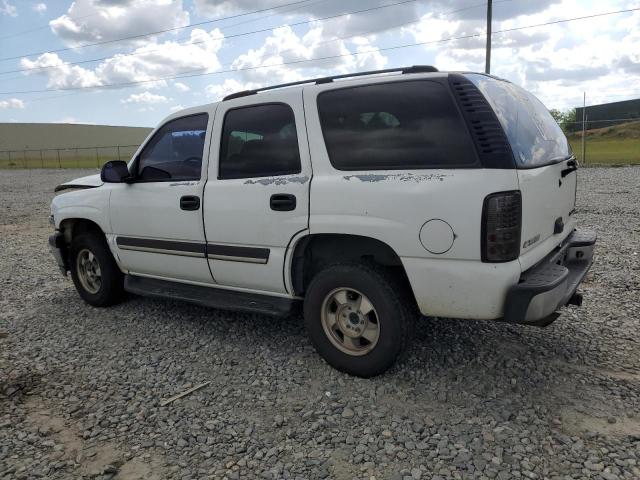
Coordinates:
x,y
189,202
283,202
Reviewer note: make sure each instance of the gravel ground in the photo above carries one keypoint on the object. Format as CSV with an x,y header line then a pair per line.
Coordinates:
x,y
80,387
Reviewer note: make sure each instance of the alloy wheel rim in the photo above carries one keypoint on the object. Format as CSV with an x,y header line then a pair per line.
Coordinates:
x,y
350,321
88,269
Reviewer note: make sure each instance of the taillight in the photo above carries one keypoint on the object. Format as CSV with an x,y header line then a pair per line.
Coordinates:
x,y
501,222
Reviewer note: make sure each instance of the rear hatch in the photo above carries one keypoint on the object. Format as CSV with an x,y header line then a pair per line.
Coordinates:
x,y
546,166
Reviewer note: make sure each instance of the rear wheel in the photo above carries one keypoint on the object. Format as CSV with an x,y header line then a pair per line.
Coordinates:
x,y
357,317
95,273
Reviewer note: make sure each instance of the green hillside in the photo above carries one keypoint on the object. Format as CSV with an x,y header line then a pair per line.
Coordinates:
x,y
615,145
37,145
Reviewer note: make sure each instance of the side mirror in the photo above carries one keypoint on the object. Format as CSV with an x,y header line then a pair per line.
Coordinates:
x,y
114,171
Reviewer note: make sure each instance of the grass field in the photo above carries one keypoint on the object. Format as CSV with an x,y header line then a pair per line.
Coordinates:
x,y
616,145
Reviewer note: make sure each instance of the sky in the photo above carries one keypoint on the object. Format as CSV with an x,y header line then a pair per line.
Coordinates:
x,y
133,62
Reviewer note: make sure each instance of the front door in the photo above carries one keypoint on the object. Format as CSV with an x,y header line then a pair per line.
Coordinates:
x,y
257,196
157,219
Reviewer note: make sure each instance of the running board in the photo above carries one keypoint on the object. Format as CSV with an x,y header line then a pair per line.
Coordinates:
x,y
210,296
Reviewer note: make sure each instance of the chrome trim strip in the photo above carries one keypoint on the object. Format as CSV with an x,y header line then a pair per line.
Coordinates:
x,y
162,250
231,258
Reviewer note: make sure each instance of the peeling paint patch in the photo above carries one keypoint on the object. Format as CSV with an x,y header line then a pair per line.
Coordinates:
x,y
180,184
301,179
403,177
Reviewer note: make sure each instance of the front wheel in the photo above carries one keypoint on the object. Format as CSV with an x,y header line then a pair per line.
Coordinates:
x,y
357,318
95,273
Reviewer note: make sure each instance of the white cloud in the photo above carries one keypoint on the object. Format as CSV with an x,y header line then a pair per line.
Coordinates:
x,y
370,20
103,20
181,87
40,8
165,59
218,91
151,61
60,74
145,98
7,9
68,119
286,57
175,108
11,103
555,62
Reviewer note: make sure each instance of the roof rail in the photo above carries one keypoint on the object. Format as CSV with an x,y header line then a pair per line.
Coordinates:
x,y
321,80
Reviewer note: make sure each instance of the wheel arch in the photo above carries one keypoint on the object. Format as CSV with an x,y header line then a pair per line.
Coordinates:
x,y
71,227
313,252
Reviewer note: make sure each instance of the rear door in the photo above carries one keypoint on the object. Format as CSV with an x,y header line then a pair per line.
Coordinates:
x,y
257,196
546,166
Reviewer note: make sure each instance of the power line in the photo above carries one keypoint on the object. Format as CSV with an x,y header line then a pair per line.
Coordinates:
x,y
191,74
367,32
148,34
247,33
235,35
41,27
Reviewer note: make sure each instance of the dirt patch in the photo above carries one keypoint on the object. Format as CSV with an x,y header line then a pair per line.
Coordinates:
x,y
91,460
576,423
136,469
604,372
19,227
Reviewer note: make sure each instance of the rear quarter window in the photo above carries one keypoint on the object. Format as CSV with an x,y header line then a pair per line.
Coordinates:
x,y
535,137
391,126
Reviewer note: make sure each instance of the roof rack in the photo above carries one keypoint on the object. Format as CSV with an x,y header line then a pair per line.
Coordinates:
x,y
321,80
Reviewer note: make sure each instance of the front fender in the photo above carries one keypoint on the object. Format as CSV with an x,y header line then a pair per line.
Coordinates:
x,y
90,204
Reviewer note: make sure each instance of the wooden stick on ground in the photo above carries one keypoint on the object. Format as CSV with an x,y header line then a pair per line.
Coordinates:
x,y
183,394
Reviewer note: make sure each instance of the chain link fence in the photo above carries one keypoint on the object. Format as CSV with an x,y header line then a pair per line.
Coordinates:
x,y
84,157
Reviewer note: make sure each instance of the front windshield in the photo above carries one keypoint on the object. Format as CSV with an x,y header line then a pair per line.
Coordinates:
x,y
535,137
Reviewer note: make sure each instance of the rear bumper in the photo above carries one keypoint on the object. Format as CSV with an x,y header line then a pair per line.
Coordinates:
x,y
58,250
552,283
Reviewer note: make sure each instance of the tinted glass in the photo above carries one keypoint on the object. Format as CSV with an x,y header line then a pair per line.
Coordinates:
x,y
259,141
400,125
175,151
535,137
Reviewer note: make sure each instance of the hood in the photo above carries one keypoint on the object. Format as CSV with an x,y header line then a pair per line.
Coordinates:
x,y
90,181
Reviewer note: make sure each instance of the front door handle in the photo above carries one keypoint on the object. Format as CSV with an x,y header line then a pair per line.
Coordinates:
x,y
283,202
189,202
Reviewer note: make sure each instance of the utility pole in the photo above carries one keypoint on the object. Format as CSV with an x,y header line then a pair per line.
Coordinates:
x,y
584,125
487,61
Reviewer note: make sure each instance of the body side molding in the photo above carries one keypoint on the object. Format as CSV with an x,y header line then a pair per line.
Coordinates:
x,y
195,249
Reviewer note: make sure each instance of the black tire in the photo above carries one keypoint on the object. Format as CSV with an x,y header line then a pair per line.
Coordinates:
x,y
392,306
111,289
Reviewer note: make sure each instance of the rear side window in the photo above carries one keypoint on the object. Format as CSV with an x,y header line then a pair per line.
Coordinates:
x,y
391,126
535,137
175,151
259,141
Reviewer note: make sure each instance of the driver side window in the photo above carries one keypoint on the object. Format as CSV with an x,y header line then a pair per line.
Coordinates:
x,y
175,151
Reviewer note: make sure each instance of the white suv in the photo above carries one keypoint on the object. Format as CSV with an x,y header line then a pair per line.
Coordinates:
x,y
367,197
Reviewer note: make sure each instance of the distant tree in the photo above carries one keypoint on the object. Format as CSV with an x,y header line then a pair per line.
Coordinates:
x,y
556,114
568,123
566,119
